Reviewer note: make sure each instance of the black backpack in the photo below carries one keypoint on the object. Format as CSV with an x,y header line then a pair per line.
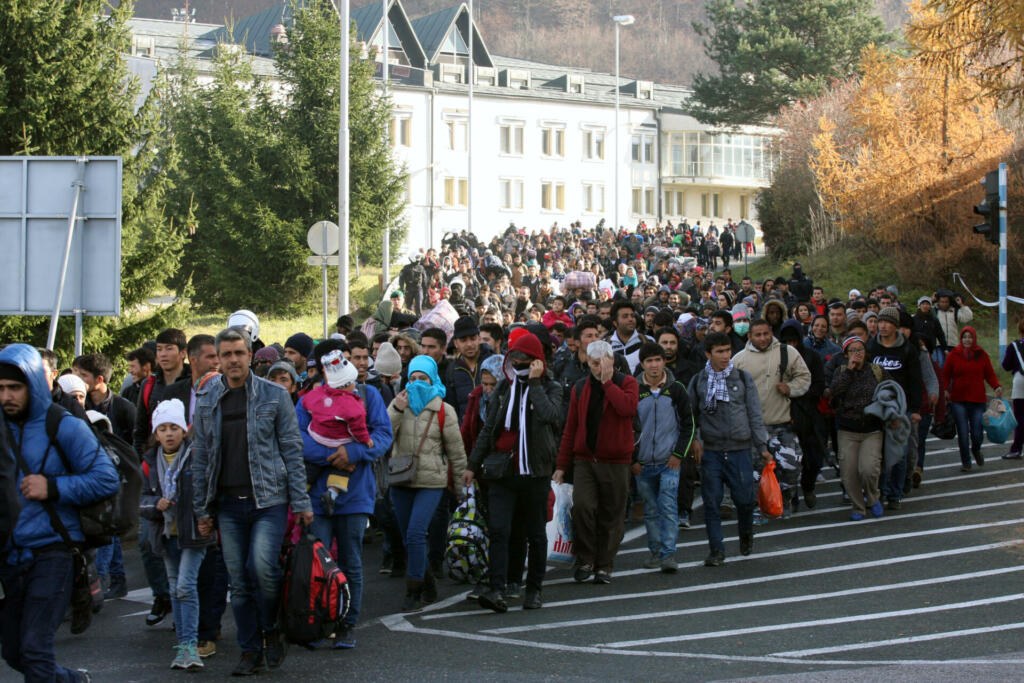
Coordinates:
x,y
119,514
10,501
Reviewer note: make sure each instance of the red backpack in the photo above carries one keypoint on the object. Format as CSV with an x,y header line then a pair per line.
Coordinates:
x,y
316,594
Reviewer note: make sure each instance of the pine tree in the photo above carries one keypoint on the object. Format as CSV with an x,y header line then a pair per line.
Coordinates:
x,y
65,90
771,53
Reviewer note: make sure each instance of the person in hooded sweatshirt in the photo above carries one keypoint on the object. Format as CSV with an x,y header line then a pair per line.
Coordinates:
x,y
37,567
515,452
967,369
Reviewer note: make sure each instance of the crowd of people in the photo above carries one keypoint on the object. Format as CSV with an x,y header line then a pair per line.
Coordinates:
x,y
622,362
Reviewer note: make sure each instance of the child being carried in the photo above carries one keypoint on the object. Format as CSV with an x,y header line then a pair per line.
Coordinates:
x,y
337,417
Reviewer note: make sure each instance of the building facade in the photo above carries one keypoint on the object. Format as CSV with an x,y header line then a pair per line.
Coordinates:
x,y
535,145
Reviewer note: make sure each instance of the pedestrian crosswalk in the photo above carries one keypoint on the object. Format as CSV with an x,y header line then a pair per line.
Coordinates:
x,y
939,581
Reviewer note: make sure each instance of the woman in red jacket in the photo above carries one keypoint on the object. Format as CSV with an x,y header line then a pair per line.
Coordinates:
x,y
964,375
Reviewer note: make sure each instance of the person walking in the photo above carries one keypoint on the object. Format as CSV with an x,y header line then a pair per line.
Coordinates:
x,y
731,428
247,468
426,428
1013,361
964,375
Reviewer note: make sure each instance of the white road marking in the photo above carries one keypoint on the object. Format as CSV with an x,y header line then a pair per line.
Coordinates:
x,y
746,582
757,603
846,619
847,524
902,641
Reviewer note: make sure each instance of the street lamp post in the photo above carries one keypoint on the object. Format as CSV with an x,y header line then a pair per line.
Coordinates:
x,y
620,20
343,158
386,266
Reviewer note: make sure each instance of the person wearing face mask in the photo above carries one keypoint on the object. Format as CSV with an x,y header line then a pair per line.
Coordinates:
x,y
418,431
515,453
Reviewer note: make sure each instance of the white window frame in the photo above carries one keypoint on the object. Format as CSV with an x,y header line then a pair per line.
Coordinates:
x,y
593,199
459,191
510,194
511,137
595,142
552,139
454,121
554,202
400,128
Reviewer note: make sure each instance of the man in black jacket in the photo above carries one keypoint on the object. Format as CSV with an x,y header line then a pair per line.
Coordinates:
x,y
800,285
10,503
808,423
171,367
95,369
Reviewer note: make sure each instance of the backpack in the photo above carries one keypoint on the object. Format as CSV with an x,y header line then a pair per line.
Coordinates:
x,y
315,596
119,514
467,544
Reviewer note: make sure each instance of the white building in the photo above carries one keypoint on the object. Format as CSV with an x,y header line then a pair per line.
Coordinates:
x,y
543,139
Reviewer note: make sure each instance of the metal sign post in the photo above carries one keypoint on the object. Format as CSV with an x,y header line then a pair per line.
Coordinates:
x,y
51,338
323,239
744,233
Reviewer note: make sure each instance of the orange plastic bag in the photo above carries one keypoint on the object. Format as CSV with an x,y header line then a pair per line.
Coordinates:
x,y
769,495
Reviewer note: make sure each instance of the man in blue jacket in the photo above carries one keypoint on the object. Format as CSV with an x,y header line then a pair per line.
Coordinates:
x,y
352,508
37,569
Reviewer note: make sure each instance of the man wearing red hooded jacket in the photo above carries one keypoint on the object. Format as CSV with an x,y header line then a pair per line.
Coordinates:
x,y
515,452
598,442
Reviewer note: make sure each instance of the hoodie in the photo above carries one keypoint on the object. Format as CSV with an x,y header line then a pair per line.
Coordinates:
x,y
92,476
966,371
764,367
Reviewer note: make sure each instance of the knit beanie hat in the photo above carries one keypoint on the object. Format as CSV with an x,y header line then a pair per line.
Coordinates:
x,y
302,343
170,411
267,354
69,384
388,361
337,370
924,299
850,340
890,314
285,365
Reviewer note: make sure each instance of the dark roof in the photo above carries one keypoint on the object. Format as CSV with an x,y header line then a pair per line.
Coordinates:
x,y
433,28
367,20
254,31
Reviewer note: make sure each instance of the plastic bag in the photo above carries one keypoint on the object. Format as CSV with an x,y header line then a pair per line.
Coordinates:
x,y
999,420
769,495
561,550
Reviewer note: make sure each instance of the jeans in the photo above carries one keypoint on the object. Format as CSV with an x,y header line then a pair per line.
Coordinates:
x,y
156,575
896,477
414,509
517,502
110,559
969,428
922,434
182,566
348,531
659,487
735,469
38,595
251,539
213,593
437,532
1018,433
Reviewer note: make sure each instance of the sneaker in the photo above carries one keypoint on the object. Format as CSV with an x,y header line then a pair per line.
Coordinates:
x,y
684,520
652,561
1013,456
493,600
206,648
965,468
249,664
876,509
513,591
387,563
275,648
118,588
893,504
532,599
856,516
810,499
192,659
716,558
978,457
180,656
746,543
161,608
669,565
582,573
758,519
344,639
603,576
915,479
475,591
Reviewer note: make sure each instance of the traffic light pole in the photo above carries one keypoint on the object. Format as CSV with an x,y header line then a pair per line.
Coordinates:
x,y
1002,260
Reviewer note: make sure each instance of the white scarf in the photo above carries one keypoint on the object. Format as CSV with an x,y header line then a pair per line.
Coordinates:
x,y
521,452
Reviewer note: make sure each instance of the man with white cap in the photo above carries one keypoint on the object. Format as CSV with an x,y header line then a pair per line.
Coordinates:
x,y
73,386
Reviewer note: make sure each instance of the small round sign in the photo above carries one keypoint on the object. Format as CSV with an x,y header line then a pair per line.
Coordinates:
x,y
745,232
323,238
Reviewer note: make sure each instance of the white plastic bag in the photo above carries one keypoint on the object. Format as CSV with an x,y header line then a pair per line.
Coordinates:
x,y
561,549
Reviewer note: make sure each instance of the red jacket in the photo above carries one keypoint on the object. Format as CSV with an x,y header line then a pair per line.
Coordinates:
x,y
550,318
471,422
964,375
615,437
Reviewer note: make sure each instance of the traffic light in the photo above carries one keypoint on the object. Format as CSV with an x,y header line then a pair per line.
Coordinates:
x,y
989,209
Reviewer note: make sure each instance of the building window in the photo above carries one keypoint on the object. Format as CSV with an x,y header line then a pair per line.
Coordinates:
x,y
458,135
512,139
638,198
635,148
668,208
680,204
716,207
648,149
721,155
400,130
552,196
744,207
593,197
510,191
593,145
552,141
456,192
704,204
642,149
649,208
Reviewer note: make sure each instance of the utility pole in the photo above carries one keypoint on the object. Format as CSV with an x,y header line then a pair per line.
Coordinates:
x,y
343,155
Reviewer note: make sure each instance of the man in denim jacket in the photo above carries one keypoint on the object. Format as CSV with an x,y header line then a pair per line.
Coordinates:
x,y
247,467
728,413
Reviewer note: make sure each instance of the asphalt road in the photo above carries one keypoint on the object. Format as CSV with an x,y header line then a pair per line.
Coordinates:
x,y
932,592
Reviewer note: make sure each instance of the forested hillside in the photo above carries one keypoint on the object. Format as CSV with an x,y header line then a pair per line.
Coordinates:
x,y
661,46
